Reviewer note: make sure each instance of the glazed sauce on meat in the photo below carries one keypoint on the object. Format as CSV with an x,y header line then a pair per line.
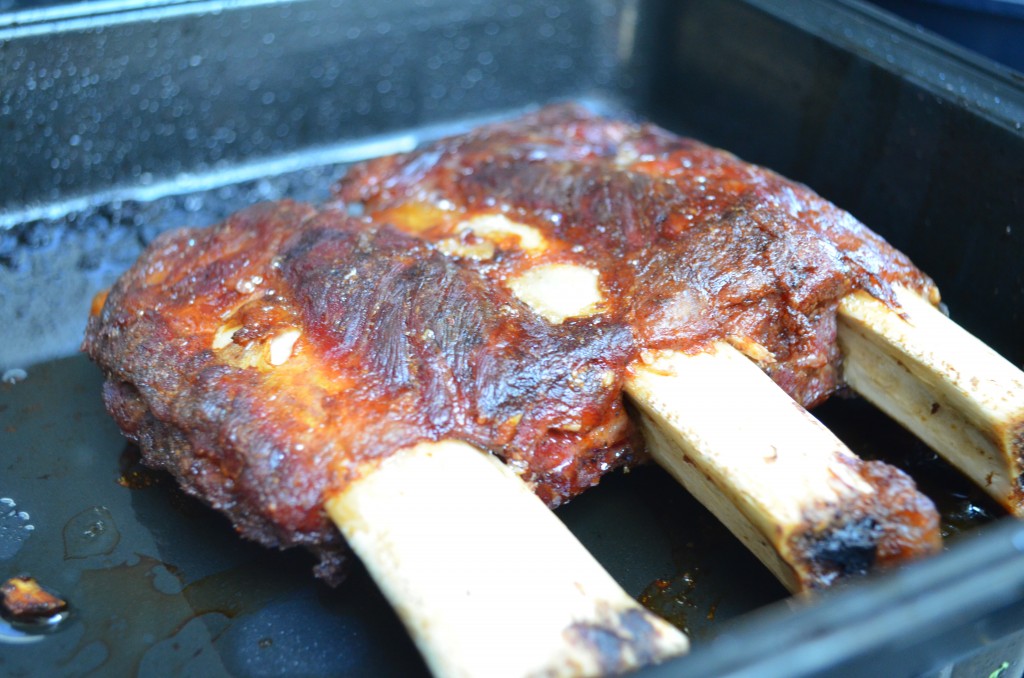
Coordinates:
x,y
692,244
431,351
387,342
272,358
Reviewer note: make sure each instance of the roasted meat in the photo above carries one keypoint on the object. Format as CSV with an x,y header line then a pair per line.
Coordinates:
x,y
693,245
264,361
24,602
271,359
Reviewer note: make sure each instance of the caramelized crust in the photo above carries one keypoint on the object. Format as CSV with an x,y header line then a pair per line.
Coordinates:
x,y
692,244
269,360
395,344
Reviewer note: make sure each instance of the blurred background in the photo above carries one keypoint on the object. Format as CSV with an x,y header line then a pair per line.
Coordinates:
x,y
992,28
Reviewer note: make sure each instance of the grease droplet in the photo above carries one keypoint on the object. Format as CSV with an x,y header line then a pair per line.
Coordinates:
x,y
91,533
248,285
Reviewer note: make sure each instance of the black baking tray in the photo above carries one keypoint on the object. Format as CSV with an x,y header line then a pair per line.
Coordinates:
x,y
121,120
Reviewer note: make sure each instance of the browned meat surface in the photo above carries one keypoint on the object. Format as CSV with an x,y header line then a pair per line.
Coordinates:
x,y
693,245
267,360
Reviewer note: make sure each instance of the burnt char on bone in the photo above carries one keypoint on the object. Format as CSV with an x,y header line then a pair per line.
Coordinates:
x,y
389,339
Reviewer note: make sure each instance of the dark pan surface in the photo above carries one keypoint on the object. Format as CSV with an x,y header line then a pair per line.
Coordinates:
x,y
916,138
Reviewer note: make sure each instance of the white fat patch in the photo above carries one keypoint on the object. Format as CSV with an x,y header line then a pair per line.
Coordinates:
x,y
223,336
281,347
559,291
626,156
498,227
608,378
479,251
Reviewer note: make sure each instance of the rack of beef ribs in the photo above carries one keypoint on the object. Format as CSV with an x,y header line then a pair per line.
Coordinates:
x,y
567,293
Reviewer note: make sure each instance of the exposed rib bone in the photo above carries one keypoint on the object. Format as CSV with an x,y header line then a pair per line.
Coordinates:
x,y
943,384
805,505
501,589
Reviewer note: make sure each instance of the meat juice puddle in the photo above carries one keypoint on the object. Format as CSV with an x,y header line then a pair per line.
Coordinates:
x,y
133,608
128,609
48,446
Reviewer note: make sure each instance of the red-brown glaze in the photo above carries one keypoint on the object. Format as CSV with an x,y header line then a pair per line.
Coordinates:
x,y
400,342
693,245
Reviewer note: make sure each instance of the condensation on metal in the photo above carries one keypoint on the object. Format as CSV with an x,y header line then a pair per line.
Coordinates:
x,y
139,97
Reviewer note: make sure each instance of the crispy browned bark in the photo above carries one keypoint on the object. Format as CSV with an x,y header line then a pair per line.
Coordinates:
x,y
693,244
397,344
399,340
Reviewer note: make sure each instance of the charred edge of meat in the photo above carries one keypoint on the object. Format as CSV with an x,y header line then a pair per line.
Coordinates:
x,y
849,549
27,604
622,640
167,447
891,525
